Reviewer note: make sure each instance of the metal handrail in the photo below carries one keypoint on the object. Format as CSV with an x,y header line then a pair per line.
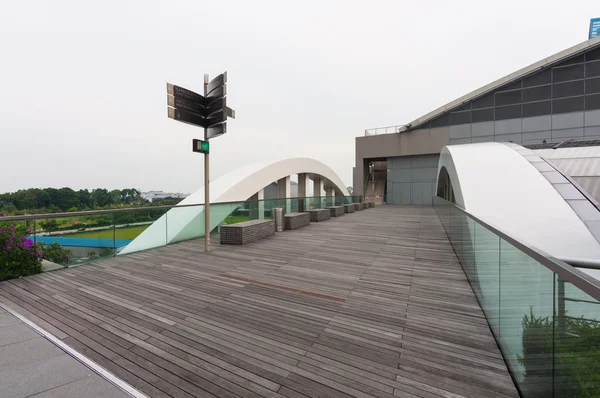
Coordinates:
x,y
561,267
374,131
121,210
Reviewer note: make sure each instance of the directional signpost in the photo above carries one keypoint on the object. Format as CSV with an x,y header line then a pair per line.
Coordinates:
x,y
209,111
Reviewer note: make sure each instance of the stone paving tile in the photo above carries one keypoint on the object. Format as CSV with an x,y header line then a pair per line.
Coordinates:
x,y
27,352
16,334
7,319
90,387
41,376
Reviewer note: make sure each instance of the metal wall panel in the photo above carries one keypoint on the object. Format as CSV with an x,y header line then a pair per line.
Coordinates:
x,y
592,118
482,129
536,137
508,126
537,123
460,131
567,121
412,179
567,134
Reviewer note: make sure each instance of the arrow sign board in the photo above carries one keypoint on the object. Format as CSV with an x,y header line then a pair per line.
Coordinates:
x,y
186,105
200,146
216,82
210,111
184,93
216,130
187,117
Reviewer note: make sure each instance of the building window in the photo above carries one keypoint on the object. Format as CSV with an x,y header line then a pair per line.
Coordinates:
x,y
592,86
566,105
460,118
592,102
570,89
483,115
592,69
567,73
537,108
593,55
487,101
538,79
537,93
508,112
508,98
441,121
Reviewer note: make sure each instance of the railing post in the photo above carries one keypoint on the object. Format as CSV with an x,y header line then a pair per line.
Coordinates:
x,y
561,310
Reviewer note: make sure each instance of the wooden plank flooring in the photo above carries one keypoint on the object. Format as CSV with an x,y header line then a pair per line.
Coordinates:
x,y
371,304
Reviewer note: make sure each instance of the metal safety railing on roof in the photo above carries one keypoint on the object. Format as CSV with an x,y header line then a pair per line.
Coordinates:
x,y
385,130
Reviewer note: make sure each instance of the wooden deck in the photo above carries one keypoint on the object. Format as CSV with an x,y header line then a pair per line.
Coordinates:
x,y
371,304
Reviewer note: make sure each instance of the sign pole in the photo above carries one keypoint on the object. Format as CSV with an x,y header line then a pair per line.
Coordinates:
x,y
206,183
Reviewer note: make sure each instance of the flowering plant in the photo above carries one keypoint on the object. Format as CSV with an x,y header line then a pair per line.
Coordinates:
x,y
19,256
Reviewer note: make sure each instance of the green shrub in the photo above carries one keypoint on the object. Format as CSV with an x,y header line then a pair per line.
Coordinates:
x,y
19,256
567,362
56,253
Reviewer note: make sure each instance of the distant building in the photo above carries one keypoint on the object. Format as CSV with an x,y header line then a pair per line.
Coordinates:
x,y
152,195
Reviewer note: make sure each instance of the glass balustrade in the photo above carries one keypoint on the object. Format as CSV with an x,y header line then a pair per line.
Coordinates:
x,y
547,328
83,237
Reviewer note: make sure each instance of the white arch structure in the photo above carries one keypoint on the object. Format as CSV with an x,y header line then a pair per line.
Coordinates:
x,y
498,183
236,187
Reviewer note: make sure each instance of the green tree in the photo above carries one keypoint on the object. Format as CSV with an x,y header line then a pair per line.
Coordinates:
x,y
100,197
114,197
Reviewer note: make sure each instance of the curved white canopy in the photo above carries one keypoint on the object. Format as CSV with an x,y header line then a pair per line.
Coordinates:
x,y
236,186
497,184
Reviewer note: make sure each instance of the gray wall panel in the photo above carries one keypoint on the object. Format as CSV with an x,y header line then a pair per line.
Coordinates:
x,y
567,120
516,138
537,123
591,132
536,137
592,118
567,134
424,174
460,131
411,179
459,141
482,129
508,126
424,161
476,140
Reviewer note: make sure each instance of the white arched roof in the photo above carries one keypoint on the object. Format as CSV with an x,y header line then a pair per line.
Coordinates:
x,y
500,186
236,186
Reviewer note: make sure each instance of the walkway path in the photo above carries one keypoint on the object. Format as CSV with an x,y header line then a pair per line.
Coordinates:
x,y
371,304
31,366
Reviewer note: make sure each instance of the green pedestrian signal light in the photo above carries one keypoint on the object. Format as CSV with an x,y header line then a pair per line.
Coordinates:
x,y
200,146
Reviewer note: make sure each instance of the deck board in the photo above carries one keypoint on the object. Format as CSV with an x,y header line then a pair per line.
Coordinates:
x,y
372,304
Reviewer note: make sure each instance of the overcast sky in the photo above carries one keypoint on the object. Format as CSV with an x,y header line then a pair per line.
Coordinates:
x,y
83,99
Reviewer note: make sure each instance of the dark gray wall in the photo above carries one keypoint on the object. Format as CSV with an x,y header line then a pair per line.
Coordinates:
x,y
411,179
555,104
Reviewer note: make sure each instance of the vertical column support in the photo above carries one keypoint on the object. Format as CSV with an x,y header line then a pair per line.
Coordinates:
x,y
303,184
260,196
318,187
284,192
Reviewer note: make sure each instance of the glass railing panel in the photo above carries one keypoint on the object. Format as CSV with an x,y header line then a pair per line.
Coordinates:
x,y
485,268
526,304
576,345
148,224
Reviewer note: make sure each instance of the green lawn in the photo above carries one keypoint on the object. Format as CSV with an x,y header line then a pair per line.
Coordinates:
x,y
129,233
236,219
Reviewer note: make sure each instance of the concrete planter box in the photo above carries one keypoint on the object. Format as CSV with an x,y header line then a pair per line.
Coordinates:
x,y
296,220
349,208
358,206
336,211
317,215
246,232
